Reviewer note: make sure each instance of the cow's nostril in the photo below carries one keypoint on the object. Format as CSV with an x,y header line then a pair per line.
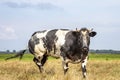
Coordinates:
x,y
85,49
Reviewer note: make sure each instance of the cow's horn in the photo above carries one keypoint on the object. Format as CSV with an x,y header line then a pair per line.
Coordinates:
x,y
91,30
77,29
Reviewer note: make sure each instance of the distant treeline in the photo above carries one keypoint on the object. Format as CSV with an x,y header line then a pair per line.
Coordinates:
x,y
105,51
92,51
7,52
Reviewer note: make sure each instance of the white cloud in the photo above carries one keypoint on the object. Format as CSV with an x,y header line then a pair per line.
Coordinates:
x,y
7,33
31,4
10,30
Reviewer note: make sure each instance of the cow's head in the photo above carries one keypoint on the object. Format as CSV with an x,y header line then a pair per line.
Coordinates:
x,y
84,39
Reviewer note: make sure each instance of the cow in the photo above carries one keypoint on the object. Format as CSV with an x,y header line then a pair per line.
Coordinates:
x,y
72,46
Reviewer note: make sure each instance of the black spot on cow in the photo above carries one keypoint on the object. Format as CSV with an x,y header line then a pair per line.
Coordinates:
x,y
50,39
31,46
36,40
32,42
71,49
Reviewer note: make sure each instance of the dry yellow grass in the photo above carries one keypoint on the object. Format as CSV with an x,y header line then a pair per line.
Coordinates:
x,y
27,70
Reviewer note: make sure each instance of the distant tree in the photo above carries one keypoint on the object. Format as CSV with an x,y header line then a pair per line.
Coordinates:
x,y
8,51
97,51
14,51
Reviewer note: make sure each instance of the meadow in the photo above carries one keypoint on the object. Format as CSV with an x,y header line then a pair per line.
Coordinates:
x,y
99,67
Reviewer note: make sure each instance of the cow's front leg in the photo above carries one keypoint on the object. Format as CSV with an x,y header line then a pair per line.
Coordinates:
x,y
65,66
64,63
84,62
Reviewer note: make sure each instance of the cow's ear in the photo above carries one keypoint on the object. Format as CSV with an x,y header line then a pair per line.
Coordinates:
x,y
92,34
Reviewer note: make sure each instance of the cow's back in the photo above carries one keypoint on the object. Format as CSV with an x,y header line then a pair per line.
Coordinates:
x,y
49,41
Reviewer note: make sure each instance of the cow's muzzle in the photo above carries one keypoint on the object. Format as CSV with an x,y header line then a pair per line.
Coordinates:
x,y
85,49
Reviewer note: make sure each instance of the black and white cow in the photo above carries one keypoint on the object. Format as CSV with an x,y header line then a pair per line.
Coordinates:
x,y
70,46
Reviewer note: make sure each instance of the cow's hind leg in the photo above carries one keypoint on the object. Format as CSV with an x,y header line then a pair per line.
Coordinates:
x,y
44,59
40,61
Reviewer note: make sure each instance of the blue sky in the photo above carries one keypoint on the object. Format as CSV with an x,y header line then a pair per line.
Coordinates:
x,y
20,18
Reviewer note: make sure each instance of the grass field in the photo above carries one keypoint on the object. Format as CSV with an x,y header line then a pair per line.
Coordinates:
x,y
99,67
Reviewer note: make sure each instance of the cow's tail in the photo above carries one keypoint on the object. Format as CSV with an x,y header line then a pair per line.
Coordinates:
x,y
19,54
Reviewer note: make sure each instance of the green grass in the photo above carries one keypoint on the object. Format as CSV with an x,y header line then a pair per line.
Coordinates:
x,y
104,56
3,56
29,57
